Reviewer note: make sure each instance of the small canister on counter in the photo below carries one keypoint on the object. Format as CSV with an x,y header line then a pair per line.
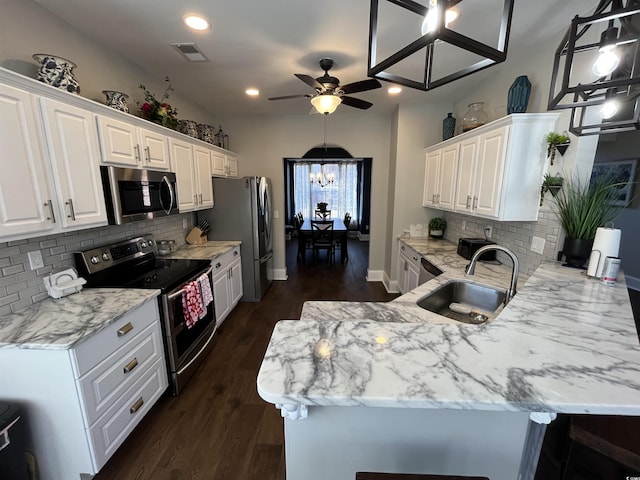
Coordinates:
x,y
610,270
163,247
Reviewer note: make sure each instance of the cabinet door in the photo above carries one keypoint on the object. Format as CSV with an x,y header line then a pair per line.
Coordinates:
x,y
489,172
204,188
431,178
467,158
447,177
155,150
221,296
73,149
25,194
236,282
413,277
218,164
232,166
119,142
182,164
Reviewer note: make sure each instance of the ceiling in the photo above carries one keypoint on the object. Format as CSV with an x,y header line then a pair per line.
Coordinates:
x,y
261,44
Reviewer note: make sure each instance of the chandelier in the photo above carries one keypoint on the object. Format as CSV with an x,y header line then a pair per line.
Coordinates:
x,y
320,178
595,70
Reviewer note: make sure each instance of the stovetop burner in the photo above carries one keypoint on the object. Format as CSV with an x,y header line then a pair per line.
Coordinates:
x,y
134,264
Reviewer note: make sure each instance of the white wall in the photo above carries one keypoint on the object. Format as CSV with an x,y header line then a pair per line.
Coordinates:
x,y
263,142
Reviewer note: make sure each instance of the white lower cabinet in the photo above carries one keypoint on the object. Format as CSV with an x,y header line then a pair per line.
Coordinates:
x,y
192,166
408,268
227,283
81,404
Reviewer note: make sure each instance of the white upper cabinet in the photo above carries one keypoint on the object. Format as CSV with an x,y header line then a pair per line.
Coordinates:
x,y
192,166
224,163
125,144
204,184
498,168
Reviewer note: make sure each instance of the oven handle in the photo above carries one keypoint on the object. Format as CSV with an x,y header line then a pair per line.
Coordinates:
x,y
195,357
181,291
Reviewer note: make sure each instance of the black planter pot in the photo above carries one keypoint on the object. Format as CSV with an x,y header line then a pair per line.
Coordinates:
x,y
576,251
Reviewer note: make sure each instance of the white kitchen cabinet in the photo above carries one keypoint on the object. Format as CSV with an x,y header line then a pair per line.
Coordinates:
x,y
125,144
50,181
224,163
440,178
192,166
499,168
83,402
408,268
227,283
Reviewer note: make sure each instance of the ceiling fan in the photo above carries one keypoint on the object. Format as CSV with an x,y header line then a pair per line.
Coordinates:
x,y
329,94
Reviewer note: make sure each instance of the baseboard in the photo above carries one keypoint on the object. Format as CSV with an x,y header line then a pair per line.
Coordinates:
x,y
375,275
279,274
632,282
390,285
363,237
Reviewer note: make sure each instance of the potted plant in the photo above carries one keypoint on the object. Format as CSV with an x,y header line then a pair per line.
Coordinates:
x,y
437,226
322,206
582,207
556,141
551,183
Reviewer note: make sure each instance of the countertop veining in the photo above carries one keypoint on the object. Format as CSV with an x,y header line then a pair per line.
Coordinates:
x,y
206,251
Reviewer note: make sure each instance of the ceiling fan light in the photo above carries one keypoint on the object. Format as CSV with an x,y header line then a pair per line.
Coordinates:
x,y
326,103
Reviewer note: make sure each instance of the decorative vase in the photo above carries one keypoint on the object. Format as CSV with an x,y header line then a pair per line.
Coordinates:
x,y
322,206
205,132
448,126
188,127
57,72
577,251
475,117
117,100
436,233
518,97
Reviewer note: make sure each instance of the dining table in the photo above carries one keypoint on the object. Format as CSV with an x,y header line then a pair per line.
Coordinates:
x,y
339,234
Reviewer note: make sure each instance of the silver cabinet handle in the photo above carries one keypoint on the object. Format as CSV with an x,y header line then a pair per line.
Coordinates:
x,y
136,152
437,198
52,215
136,406
402,248
235,253
468,201
147,152
200,195
218,265
195,199
125,329
433,198
131,365
72,212
475,202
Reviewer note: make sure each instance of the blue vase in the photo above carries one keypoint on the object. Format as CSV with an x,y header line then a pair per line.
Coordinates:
x,y
518,97
448,126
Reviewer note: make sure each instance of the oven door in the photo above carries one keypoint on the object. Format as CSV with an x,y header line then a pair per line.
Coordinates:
x,y
186,347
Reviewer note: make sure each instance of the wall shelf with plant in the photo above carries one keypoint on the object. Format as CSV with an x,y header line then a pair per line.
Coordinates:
x,y
550,183
556,142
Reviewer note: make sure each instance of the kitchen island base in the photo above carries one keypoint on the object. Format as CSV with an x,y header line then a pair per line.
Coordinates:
x,y
336,442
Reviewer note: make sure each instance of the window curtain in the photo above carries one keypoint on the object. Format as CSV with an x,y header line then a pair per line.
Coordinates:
x,y
341,195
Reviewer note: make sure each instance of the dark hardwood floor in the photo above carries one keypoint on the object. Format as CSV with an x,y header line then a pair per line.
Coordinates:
x,y
219,428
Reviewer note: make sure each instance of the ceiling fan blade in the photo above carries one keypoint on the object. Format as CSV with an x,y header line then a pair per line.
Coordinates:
x,y
361,86
306,95
309,80
356,102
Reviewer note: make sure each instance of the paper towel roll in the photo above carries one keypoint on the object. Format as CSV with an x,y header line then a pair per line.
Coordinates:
x,y
606,244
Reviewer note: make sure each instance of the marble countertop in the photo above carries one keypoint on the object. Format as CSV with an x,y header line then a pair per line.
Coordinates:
x,y
206,251
58,324
565,343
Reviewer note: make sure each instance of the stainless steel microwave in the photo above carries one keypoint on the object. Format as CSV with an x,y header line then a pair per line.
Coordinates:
x,y
133,195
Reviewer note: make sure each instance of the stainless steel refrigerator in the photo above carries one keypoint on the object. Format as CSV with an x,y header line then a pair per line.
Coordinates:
x,y
242,211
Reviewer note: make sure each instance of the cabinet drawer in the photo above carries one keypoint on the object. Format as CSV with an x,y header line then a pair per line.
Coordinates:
x,y
221,263
108,433
109,379
411,256
97,347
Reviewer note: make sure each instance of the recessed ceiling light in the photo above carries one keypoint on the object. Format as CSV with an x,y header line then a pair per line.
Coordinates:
x,y
394,90
252,92
197,22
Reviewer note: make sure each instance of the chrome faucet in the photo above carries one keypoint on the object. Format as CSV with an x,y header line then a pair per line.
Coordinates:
x,y
470,269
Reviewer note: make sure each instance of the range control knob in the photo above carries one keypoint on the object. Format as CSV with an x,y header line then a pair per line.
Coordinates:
x,y
150,243
105,256
143,245
95,259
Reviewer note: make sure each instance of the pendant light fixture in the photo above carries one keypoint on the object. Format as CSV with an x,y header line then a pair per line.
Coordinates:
x,y
437,49
595,70
320,178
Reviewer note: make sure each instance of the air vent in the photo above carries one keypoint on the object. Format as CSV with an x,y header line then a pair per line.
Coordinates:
x,y
190,51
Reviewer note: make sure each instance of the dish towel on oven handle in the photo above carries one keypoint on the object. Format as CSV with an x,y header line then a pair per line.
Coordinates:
x,y
192,304
205,290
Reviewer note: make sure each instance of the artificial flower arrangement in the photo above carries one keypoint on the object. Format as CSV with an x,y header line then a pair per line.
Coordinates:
x,y
158,111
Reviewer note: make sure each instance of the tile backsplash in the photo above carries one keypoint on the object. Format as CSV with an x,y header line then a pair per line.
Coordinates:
x,y
516,236
20,286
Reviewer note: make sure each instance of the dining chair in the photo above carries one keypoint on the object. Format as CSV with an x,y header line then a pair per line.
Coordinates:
x,y
322,238
303,241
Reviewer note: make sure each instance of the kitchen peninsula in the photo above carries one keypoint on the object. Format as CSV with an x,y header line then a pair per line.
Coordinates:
x,y
392,387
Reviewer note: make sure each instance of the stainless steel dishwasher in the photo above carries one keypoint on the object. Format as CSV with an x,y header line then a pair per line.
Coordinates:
x,y
428,271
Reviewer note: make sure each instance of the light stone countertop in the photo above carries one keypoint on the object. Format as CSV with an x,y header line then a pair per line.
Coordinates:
x,y
565,343
59,324
206,251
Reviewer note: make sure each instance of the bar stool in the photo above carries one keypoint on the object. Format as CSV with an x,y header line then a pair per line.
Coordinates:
x,y
410,476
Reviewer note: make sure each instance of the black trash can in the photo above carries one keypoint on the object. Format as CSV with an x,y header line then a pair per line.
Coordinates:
x,y
13,443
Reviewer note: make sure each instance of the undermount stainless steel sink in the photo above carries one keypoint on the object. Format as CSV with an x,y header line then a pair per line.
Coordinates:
x,y
472,303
